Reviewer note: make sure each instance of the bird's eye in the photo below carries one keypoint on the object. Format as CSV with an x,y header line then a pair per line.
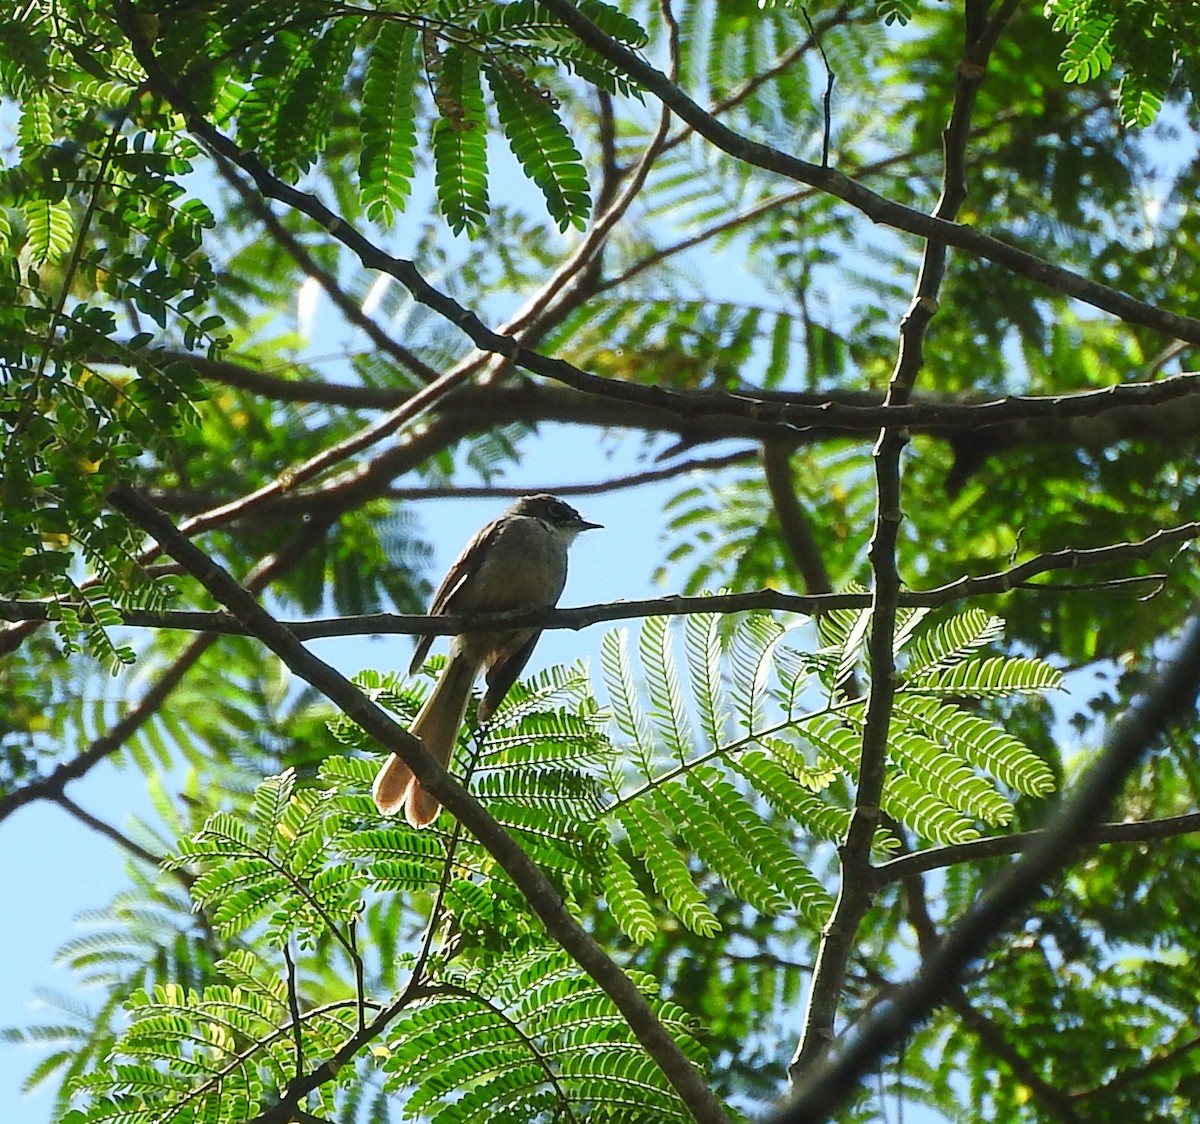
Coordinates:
x,y
559,510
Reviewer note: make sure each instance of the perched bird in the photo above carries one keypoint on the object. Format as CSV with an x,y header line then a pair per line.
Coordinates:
x,y
518,561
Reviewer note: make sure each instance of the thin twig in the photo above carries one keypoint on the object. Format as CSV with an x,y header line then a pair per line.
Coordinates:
x,y
294,1007
109,832
979,850
827,100
360,990
1018,577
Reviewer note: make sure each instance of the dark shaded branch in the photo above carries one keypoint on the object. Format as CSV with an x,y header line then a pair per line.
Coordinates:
x,y
876,207
540,893
795,527
1102,418
978,850
1003,581
1157,409
1171,696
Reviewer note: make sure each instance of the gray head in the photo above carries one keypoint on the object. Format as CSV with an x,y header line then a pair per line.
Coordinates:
x,y
561,516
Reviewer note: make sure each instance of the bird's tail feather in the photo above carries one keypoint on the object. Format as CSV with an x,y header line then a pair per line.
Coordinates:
x,y
437,725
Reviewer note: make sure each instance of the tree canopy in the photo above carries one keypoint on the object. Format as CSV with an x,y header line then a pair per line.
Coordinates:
x,y
891,797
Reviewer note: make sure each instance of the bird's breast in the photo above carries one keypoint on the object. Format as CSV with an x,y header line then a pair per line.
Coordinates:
x,y
525,566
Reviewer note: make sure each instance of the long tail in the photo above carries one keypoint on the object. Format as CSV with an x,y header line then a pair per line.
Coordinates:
x,y
437,725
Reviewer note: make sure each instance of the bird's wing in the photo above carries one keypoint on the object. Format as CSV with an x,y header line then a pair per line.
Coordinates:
x,y
459,574
502,675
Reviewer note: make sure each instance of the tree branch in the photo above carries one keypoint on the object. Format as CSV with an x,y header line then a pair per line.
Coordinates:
x,y
876,207
978,850
1171,695
51,788
543,898
109,832
855,893
1003,581
795,527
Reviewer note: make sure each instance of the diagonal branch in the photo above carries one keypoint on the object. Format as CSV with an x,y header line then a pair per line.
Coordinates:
x,y
543,898
51,788
1171,696
876,207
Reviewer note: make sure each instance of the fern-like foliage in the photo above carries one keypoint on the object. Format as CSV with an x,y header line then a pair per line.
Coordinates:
x,y
389,134
216,1054
529,1038
725,759
778,732
494,1026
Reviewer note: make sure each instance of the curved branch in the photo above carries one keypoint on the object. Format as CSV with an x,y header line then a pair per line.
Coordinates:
x,y
855,894
876,207
1003,581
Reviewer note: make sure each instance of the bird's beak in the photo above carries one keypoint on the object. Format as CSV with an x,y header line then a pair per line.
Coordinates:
x,y
584,525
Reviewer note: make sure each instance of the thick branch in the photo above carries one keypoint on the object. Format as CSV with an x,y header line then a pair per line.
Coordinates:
x,y
795,527
876,207
542,897
1172,695
1161,409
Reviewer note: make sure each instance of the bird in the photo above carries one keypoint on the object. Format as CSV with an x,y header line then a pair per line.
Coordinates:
x,y
518,561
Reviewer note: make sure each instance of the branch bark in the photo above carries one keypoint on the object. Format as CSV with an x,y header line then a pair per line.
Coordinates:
x,y
1172,695
540,893
1002,581
877,208
855,893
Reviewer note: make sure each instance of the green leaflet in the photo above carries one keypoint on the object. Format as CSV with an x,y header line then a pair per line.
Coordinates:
x,y
460,142
626,902
542,145
980,742
389,132
950,640
670,873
